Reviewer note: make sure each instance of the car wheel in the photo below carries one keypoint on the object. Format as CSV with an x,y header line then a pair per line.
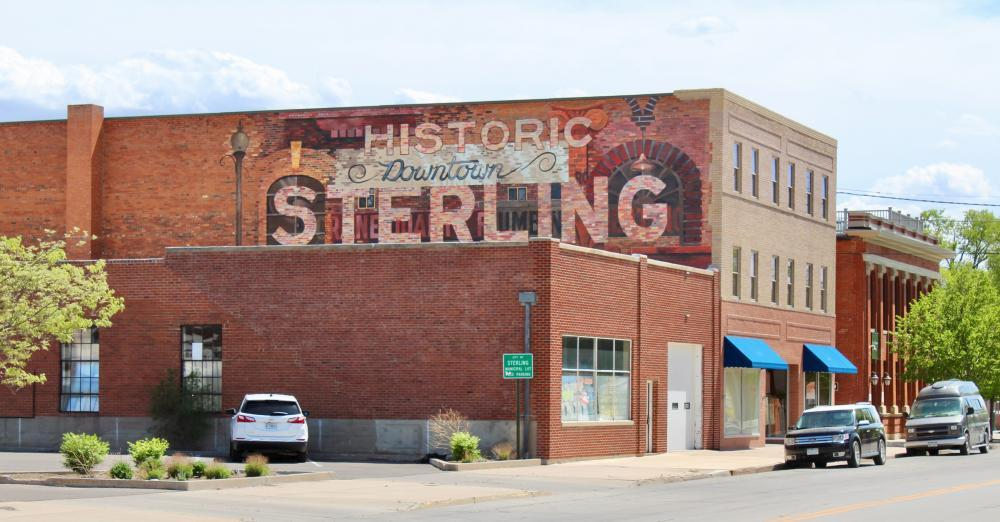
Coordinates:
x,y
854,460
235,455
820,464
302,457
910,452
933,453
967,447
880,458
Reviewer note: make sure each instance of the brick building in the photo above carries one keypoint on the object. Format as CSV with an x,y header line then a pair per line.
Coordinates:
x,y
383,250
885,261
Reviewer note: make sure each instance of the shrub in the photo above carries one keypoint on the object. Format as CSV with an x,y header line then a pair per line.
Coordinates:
x,y
82,452
198,468
121,470
178,414
465,447
152,470
147,449
217,470
444,424
180,467
256,466
502,451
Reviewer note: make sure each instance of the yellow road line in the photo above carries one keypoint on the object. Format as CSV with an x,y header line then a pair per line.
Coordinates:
x,y
890,500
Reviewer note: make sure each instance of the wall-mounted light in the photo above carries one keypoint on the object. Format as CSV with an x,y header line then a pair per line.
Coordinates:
x,y
874,379
886,379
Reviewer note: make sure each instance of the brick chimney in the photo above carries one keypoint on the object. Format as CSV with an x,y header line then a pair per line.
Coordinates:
x,y
83,176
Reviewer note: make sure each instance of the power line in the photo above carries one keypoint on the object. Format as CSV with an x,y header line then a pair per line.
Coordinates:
x,y
940,202
910,195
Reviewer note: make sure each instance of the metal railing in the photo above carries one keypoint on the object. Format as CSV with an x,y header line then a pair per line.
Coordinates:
x,y
858,219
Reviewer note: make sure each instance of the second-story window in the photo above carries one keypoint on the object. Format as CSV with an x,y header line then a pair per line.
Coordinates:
x,y
775,264
736,271
517,193
754,171
791,186
790,283
824,202
369,201
822,289
753,274
809,191
809,286
738,167
775,169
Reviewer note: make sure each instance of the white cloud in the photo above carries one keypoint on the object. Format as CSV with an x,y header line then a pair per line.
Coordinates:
x,y
407,95
701,26
972,125
938,181
164,81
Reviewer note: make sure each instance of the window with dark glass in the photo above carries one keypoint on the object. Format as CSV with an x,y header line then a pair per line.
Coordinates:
x,y
367,201
775,169
737,254
791,185
80,373
517,193
809,191
809,286
825,198
738,167
790,285
775,265
822,288
753,274
754,171
201,359
596,379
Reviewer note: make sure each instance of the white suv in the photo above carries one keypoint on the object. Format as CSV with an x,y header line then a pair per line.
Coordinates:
x,y
268,422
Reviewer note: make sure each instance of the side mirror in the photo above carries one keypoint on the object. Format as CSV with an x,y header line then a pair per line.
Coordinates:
x,y
231,411
970,410
305,413
863,422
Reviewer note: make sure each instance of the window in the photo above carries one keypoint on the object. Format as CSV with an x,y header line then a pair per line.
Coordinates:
x,y
201,360
738,167
556,191
367,202
775,169
809,286
753,274
774,279
809,191
80,372
824,206
754,171
596,379
737,254
818,389
822,289
517,193
790,285
742,403
791,185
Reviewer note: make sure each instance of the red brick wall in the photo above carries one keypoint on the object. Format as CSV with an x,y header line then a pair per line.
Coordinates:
x,y
852,328
32,178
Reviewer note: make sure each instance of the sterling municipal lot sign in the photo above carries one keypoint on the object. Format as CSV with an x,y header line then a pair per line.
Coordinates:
x,y
518,366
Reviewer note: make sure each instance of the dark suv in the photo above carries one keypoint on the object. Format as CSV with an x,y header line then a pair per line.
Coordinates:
x,y
828,433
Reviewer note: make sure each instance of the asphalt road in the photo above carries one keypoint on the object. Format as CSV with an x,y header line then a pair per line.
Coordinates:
x,y
946,487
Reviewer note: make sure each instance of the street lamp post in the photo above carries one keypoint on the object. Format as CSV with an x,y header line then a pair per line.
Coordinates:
x,y
239,142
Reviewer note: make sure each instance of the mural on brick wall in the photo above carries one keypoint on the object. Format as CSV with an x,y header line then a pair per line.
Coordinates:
x,y
623,174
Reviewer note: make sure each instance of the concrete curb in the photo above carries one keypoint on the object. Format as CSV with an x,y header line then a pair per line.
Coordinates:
x,y
489,464
170,485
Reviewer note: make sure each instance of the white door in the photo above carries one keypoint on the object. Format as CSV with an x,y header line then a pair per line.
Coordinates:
x,y
683,396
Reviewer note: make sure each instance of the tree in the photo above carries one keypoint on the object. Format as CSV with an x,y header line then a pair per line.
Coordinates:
x,y
974,239
45,298
952,333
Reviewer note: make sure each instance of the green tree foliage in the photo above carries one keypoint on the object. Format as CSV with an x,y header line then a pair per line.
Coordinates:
x,y
177,413
44,298
952,332
974,239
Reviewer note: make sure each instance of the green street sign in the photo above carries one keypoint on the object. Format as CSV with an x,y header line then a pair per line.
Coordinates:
x,y
876,342
518,366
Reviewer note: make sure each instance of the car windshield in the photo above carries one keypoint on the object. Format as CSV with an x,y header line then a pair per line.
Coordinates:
x,y
825,419
271,407
936,408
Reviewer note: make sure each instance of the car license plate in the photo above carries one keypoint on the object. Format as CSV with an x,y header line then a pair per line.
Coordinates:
x,y
812,451
270,426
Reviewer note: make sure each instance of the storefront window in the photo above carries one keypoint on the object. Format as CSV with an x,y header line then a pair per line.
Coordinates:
x,y
742,410
819,389
596,379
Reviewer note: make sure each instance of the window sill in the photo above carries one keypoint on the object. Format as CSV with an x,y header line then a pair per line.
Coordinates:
x,y
596,424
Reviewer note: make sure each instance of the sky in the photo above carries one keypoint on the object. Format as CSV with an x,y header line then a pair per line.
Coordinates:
x,y
911,90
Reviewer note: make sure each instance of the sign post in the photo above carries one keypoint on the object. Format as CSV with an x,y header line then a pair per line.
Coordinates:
x,y
518,366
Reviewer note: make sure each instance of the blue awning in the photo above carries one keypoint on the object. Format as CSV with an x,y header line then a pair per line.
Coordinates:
x,y
747,352
823,358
